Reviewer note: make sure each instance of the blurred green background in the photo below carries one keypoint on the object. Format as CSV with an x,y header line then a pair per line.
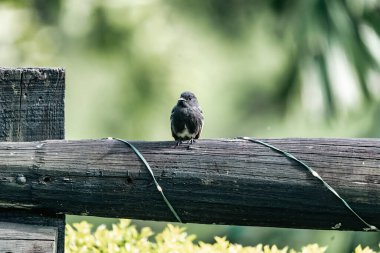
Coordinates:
x,y
265,68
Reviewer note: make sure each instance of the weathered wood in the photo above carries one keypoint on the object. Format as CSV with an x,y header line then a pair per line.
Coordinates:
x,y
212,181
31,108
53,224
26,238
31,104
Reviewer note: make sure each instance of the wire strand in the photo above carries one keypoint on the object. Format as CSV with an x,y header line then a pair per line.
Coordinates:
x,y
315,174
159,188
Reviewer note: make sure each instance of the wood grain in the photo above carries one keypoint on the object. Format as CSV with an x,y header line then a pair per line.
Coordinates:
x,y
225,181
31,104
31,108
26,238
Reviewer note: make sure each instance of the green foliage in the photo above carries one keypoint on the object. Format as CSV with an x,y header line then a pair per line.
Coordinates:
x,y
124,237
266,68
359,249
310,44
127,61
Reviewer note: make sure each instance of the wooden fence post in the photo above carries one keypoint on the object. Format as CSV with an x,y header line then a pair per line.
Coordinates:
x,y
31,109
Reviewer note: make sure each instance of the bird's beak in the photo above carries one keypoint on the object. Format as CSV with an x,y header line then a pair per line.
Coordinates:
x,y
181,99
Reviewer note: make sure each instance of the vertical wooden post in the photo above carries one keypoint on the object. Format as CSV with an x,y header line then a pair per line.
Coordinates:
x,y
31,109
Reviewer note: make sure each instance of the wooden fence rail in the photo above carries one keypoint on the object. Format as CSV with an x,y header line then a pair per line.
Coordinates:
x,y
224,181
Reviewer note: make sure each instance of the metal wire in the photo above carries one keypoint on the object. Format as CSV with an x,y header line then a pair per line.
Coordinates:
x,y
159,188
315,174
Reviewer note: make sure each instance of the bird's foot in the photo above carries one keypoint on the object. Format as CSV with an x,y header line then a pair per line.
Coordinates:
x,y
179,142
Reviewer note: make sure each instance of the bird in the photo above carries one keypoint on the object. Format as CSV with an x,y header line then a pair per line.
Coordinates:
x,y
186,118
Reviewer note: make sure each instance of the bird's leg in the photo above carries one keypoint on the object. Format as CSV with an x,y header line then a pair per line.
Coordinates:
x,y
179,142
191,141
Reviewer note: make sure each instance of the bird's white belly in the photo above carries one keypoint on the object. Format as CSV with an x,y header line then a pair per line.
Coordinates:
x,y
185,133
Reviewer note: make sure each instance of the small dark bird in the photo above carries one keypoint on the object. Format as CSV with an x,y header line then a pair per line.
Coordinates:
x,y
186,118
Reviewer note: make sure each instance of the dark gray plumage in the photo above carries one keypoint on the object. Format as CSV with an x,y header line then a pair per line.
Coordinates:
x,y
186,118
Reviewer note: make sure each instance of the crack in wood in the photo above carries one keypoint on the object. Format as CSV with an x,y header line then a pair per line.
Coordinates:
x,y
20,106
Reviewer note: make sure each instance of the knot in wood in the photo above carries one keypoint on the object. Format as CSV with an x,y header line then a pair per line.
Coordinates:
x,y
20,179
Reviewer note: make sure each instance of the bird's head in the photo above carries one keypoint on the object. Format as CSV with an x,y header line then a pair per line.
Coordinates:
x,y
187,98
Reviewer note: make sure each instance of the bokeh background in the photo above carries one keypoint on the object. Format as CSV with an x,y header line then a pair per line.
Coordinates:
x,y
264,68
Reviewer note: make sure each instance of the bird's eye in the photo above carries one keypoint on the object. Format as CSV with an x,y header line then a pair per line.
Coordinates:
x,y
189,98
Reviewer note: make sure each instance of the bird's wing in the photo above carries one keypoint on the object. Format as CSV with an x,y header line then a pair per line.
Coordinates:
x,y
201,113
171,115
199,129
194,121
